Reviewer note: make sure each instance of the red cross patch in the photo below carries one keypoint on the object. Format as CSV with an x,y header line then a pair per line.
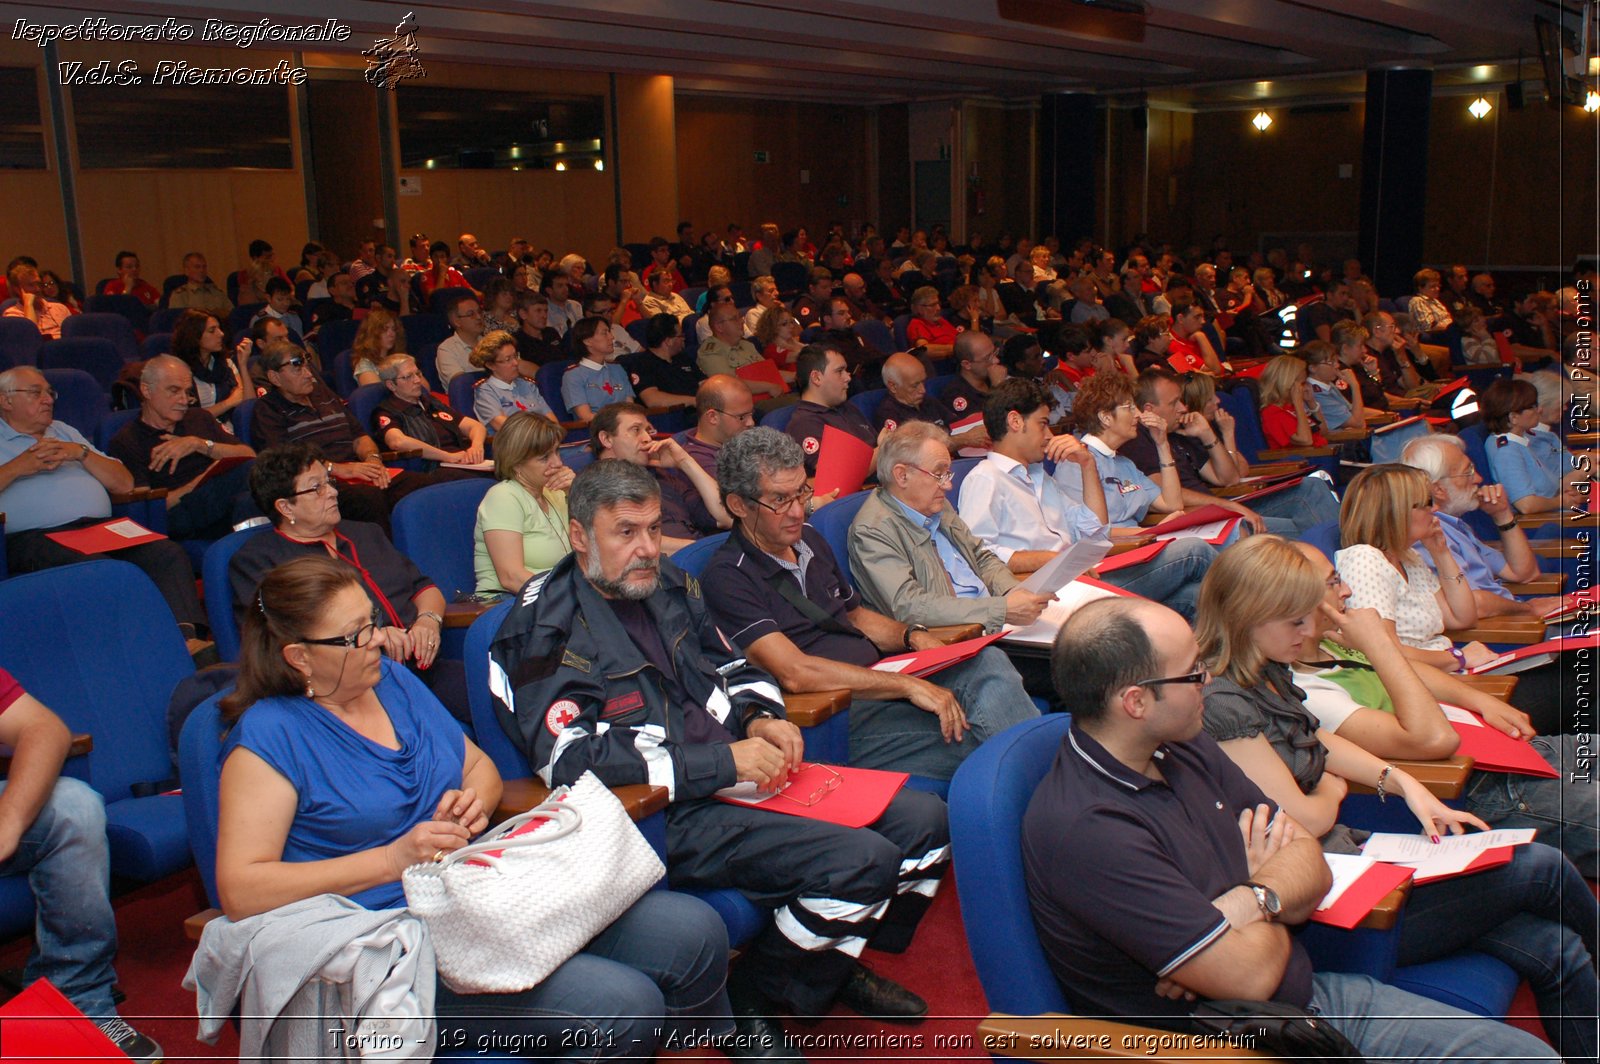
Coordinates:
x,y
559,715
384,421
889,424
811,445
959,403
445,415
607,387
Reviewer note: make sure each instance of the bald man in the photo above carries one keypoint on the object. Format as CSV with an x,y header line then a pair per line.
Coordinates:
x,y
724,408
906,379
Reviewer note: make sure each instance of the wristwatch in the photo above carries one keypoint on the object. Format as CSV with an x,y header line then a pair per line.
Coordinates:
x,y
1266,900
910,628
1508,526
211,446
85,453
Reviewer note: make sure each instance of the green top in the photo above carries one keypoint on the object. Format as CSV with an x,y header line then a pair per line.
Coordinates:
x,y
1361,682
509,507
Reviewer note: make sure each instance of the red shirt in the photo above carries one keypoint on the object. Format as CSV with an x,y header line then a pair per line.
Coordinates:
x,y
939,332
143,291
1278,424
1184,355
678,283
10,690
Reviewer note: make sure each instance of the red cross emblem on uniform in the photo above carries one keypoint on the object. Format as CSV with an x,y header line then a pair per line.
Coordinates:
x,y
812,445
607,387
559,715
959,403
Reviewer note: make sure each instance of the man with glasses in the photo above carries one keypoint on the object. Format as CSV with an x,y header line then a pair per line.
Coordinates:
x,y
46,315
783,599
764,290
1158,873
411,419
728,351
53,480
616,667
723,408
454,354
717,295
661,297
978,371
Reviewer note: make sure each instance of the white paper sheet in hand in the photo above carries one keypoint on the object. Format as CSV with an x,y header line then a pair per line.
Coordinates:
x,y
1043,631
1346,869
1067,566
1451,854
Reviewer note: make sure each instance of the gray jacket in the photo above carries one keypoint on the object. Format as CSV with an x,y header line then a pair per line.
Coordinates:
x,y
897,568
319,979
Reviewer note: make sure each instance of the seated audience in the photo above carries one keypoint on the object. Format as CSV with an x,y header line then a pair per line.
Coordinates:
x,y
1290,415
1321,316
1197,903
764,290
966,310
978,370
1537,470
23,282
691,506
505,391
57,290
197,292
824,400
727,351
1399,374
521,530
863,359
596,380
335,779
1478,346
1535,914
928,332
454,354
469,253
711,717
777,336
1152,336
812,304
1430,359
663,375
53,831
564,311
1425,308
54,480
499,305
251,281
782,599
219,380
1129,304
127,282
1190,349
723,408
537,342
377,337
412,419
172,446
906,380
1353,355
661,295
602,305
1334,386
439,273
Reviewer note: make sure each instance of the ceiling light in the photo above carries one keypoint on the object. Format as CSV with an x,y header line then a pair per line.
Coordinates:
x,y
599,164
1594,65
1592,102
561,166
1479,107
1261,121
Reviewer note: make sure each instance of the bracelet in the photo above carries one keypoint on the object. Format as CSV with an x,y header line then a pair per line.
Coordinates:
x,y
1461,659
435,617
1507,527
1169,465
1383,778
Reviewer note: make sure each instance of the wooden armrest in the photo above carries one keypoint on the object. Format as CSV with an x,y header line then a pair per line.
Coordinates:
x,y
574,426
1566,548
82,743
1508,629
123,498
813,707
1123,546
1278,469
1297,452
955,633
1548,584
1444,778
1539,520
1346,435
1386,913
394,456
1057,1036
1494,686
520,795
1582,439
462,614
1381,417
194,925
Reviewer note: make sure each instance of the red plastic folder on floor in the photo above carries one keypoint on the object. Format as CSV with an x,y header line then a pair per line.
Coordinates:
x,y
39,1024
842,462
838,794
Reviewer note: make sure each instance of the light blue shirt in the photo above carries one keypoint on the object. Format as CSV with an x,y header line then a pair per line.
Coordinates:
x,y
50,499
494,397
595,386
1528,465
1336,409
1012,507
1129,493
962,578
1480,563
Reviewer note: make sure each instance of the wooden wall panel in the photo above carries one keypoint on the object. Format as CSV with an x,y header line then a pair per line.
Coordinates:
x,y
997,140
35,223
646,157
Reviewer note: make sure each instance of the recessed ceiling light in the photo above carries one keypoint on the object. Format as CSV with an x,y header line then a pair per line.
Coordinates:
x,y
1261,121
1479,107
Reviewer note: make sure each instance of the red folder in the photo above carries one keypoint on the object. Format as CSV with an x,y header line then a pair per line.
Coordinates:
x,y
1360,897
221,466
1272,489
1533,656
934,659
1190,518
1494,858
764,371
100,539
843,462
859,798
1136,556
40,1024
1454,386
1494,751
1574,603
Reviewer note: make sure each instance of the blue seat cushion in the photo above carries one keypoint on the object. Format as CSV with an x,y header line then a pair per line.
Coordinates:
x,y
745,920
149,837
1472,982
16,906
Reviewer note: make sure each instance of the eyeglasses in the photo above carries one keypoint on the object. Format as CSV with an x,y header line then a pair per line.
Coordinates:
x,y
946,478
828,786
1334,582
784,504
1201,676
354,641
319,486
748,415
298,362
36,391
1468,475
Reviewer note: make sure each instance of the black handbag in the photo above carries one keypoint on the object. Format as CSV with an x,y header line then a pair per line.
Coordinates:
x,y
1275,1028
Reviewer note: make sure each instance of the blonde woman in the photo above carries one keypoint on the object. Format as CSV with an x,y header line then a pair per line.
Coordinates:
x,y
1290,416
778,337
522,521
505,391
378,337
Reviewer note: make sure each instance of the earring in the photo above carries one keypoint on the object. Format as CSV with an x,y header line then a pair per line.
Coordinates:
x,y
309,692
291,519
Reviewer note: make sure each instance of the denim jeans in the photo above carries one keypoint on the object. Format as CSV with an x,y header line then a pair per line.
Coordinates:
x,y
1537,916
1387,1023
1305,505
654,978
1172,577
1566,810
900,737
68,865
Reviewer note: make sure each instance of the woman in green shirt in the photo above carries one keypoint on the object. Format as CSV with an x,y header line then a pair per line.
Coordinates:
x,y
522,521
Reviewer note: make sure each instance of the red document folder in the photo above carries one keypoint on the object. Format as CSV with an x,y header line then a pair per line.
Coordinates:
x,y
39,1024
1360,897
843,462
927,662
1272,489
1136,556
221,466
100,539
1486,860
1492,750
1190,518
765,372
859,798
1533,656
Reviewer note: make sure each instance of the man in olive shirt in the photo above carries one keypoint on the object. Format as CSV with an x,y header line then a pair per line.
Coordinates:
x,y
197,292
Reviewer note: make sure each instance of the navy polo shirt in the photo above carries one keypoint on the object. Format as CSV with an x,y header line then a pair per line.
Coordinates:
x,y
809,419
1121,870
747,607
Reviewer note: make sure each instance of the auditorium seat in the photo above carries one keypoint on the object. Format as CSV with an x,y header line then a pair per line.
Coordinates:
x,y
80,401
20,340
129,308
219,590
463,391
95,355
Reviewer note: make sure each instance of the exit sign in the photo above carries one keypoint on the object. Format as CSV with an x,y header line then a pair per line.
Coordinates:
x,y
763,157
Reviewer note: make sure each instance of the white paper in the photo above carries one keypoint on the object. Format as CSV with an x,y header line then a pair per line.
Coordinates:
x,y
1067,566
1207,532
1346,869
1068,600
1450,855
127,529
893,666
485,466
1461,716
748,792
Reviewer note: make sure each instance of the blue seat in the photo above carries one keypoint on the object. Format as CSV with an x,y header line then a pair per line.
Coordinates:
x,y
20,340
363,401
478,276
336,336
219,591
424,329
241,316
110,327
901,340
110,425
637,328
129,307
434,527
867,402
1386,446
1475,438
94,355
166,318
463,391
694,558
1324,537
779,418
1246,420
548,378
344,375
243,414
110,678
692,294
790,277
576,456
743,297
691,335
958,471
199,747
876,334
80,401
442,296
157,343
833,521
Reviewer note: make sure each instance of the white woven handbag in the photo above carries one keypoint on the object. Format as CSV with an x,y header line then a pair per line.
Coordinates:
x,y
509,909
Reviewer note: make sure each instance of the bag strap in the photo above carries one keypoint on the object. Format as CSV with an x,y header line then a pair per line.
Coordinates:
x,y
784,584
564,818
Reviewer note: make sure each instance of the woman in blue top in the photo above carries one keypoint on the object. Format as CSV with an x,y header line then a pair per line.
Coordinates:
x,y
505,391
341,770
1535,469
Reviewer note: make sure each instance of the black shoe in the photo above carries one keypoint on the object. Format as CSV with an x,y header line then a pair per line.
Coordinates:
x,y
873,995
131,1043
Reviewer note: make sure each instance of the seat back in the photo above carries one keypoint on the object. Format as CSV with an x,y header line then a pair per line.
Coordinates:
x,y
691,334
243,414
1324,537
166,319
548,378
486,729
442,297
958,472
790,278
423,330
576,456
111,327
241,316
95,355
876,334
694,558
156,343
901,341
463,391
638,328
80,401
1246,420
336,336
344,373
199,747
128,307
363,401
833,521
219,590
479,276
434,527
20,340
988,797
100,647
110,425
1475,438
867,402
1386,446
779,418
